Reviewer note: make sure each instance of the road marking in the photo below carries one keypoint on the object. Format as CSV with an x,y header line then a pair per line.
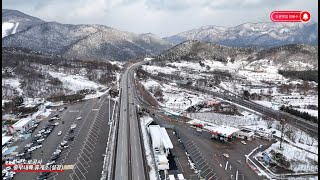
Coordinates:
x,y
73,111
237,175
95,109
68,167
226,166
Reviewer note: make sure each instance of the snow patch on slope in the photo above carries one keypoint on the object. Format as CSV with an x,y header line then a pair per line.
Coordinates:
x,y
75,82
6,27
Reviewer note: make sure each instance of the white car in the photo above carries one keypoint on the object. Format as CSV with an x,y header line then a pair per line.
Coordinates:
x,y
78,118
50,163
61,109
73,126
56,124
28,145
38,146
8,168
40,140
66,146
226,155
41,131
31,149
21,154
243,142
47,132
58,151
38,135
55,118
59,133
63,143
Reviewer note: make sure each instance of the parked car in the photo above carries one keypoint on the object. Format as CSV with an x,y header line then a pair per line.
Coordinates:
x,y
58,151
73,126
78,118
55,157
226,155
28,145
38,146
243,142
59,133
40,140
63,143
65,146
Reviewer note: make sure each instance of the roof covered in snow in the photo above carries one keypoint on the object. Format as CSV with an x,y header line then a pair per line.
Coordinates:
x,y
160,136
225,130
165,139
22,122
155,135
5,139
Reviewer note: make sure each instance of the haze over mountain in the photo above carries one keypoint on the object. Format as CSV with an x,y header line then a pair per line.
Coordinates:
x,y
79,41
253,34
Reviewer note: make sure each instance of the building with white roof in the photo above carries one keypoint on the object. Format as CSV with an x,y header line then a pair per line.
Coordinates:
x,y
23,124
223,132
161,145
5,139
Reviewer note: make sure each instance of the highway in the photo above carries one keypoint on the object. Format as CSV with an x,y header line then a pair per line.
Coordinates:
x,y
129,164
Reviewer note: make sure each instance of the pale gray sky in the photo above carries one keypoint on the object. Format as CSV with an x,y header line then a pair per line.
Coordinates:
x,y
161,17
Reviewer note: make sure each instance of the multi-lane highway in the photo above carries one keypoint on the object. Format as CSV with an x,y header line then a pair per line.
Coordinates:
x,y
129,162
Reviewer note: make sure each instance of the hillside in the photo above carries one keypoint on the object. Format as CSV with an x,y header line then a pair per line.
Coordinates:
x,y
33,75
288,57
253,34
78,41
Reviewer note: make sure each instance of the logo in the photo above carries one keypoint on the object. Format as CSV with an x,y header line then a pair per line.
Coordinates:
x,y
290,16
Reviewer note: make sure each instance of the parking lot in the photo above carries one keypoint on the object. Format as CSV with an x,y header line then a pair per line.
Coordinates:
x,y
85,146
207,154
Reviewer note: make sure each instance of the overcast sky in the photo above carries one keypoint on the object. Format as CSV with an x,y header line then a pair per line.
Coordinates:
x,y
161,17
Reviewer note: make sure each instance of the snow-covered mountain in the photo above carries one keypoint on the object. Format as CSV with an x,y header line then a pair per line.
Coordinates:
x,y
81,41
288,57
253,34
15,21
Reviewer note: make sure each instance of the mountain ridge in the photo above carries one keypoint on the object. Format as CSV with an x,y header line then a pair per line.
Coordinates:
x,y
260,34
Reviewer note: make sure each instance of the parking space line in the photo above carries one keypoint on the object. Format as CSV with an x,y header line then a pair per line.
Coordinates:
x,y
179,164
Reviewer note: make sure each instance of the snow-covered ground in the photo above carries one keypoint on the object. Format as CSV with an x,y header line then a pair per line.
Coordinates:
x,y
14,83
157,69
248,76
175,98
75,82
7,27
300,160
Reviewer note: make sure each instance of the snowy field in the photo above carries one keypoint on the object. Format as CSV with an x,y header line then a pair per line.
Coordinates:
x,y
300,160
14,83
175,98
75,82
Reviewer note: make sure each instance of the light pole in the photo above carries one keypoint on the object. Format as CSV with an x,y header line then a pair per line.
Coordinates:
x,y
282,128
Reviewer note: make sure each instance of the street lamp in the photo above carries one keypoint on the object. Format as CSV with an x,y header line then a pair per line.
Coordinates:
x,y
282,122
